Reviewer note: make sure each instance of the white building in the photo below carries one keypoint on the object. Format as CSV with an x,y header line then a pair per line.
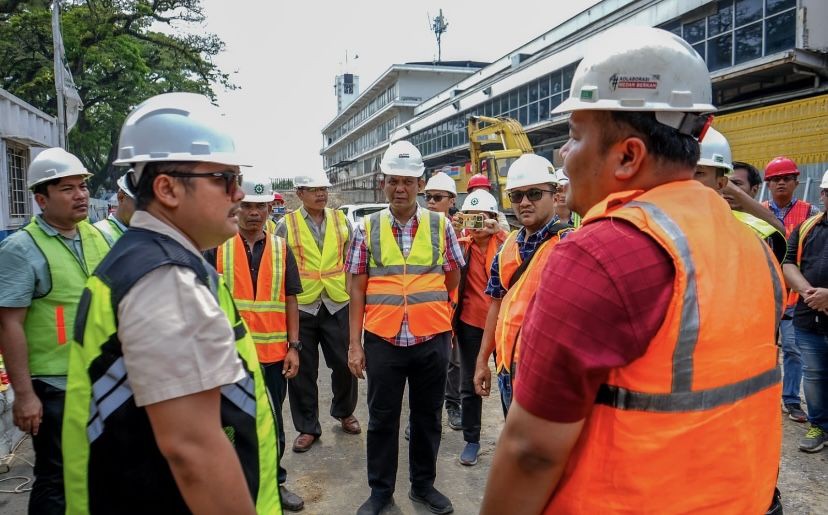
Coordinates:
x,y
24,131
768,62
354,141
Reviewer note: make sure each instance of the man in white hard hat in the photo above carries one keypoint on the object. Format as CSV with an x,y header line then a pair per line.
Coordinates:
x,y
516,270
117,223
164,380
261,274
562,211
403,262
319,237
479,248
652,380
43,269
441,196
805,272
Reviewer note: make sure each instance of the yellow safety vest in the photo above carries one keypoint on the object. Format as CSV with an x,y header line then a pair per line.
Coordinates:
x,y
323,269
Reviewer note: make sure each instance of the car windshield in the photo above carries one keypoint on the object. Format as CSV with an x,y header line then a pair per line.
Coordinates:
x,y
362,212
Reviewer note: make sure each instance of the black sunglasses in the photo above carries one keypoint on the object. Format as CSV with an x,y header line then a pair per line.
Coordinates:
x,y
534,194
232,180
436,198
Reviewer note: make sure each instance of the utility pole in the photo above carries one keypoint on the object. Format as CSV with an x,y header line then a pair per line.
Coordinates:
x,y
438,26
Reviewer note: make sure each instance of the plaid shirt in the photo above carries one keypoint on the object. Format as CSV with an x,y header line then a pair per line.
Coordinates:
x,y
357,263
526,247
782,212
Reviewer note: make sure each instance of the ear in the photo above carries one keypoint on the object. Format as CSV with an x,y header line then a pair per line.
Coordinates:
x,y
420,185
629,155
168,192
721,182
121,196
40,198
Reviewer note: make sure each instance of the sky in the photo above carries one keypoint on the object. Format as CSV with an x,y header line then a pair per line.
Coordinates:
x,y
284,57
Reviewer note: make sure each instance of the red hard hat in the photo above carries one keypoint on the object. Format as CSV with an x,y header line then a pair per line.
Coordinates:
x,y
780,166
479,180
277,197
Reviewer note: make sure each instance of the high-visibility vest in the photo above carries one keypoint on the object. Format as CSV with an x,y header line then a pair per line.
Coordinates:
x,y
769,233
323,269
412,285
270,226
110,227
804,230
264,313
795,215
515,303
466,242
667,432
49,319
111,461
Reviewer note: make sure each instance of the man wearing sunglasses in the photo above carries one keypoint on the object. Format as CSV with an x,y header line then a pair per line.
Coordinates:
x,y
516,270
164,381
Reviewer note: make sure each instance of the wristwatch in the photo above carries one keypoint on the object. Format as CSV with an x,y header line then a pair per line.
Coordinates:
x,y
295,345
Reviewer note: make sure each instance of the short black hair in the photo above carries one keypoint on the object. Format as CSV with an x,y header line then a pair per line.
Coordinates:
x,y
753,175
43,187
663,142
144,193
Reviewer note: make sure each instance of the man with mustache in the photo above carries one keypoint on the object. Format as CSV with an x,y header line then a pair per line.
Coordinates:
x,y
43,269
515,273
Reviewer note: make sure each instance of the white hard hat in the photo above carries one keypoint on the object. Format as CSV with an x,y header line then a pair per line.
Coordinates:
x,y
441,182
528,170
824,183
402,158
312,180
560,176
123,184
641,69
175,127
480,200
715,150
256,191
54,163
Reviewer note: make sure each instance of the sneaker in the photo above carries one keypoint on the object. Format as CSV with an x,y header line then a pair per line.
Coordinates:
x,y
814,440
455,418
795,413
469,455
433,499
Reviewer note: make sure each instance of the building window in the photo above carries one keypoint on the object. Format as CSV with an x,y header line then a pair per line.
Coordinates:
x,y
17,157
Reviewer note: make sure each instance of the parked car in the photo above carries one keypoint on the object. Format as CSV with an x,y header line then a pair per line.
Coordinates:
x,y
356,212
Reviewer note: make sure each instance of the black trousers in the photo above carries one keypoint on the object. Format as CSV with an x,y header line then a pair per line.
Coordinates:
x,y
389,367
453,380
330,332
277,385
468,343
47,495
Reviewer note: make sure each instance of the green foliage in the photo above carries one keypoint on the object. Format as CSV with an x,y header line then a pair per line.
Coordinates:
x,y
120,52
281,184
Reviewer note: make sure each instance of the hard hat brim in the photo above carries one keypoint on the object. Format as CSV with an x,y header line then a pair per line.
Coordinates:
x,y
575,104
222,158
257,198
59,176
709,162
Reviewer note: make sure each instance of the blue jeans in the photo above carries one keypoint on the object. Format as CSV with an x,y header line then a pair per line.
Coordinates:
x,y
504,383
814,349
791,361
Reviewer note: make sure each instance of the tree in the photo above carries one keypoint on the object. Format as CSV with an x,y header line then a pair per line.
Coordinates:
x,y
120,52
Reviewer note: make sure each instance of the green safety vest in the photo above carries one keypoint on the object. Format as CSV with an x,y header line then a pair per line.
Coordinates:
x,y
761,227
112,463
110,228
319,270
49,319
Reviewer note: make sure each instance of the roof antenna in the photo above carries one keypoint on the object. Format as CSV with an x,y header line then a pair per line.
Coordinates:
x,y
439,25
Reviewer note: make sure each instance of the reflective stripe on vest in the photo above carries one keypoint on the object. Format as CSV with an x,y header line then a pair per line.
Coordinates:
x,y
264,313
759,226
673,412
413,284
270,226
103,428
516,302
804,230
319,270
49,319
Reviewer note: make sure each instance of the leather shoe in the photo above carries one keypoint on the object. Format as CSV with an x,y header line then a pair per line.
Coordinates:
x,y
374,506
304,442
434,500
350,425
290,501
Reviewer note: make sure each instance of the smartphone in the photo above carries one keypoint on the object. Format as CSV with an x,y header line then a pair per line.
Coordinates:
x,y
473,221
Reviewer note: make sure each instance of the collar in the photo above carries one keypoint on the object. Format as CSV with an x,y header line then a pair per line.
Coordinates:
x,y
544,234
144,220
119,223
790,205
51,231
261,240
417,216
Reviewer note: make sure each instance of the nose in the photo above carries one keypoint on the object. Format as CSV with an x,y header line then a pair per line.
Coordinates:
x,y
237,194
565,149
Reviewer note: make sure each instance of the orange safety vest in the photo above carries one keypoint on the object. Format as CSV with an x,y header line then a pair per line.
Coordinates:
x,y
466,242
667,433
515,303
412,284
265,314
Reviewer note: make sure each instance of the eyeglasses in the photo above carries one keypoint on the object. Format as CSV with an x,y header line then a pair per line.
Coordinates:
x,y
533,195
319,189
783,178
436,198
232,180
823,192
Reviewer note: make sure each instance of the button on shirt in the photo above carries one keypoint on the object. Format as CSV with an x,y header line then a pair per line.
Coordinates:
x,y
318,232
527,245
814,267
357,263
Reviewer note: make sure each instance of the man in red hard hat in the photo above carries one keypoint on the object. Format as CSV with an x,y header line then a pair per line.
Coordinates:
x,y
782,176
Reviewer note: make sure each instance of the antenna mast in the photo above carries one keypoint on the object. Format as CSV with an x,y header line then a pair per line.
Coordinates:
x,y
439,26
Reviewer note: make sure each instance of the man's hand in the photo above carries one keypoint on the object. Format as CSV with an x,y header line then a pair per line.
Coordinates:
x,y
27,412
356,360
816,298
490,227
482,379
734,196
291,364
457,222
